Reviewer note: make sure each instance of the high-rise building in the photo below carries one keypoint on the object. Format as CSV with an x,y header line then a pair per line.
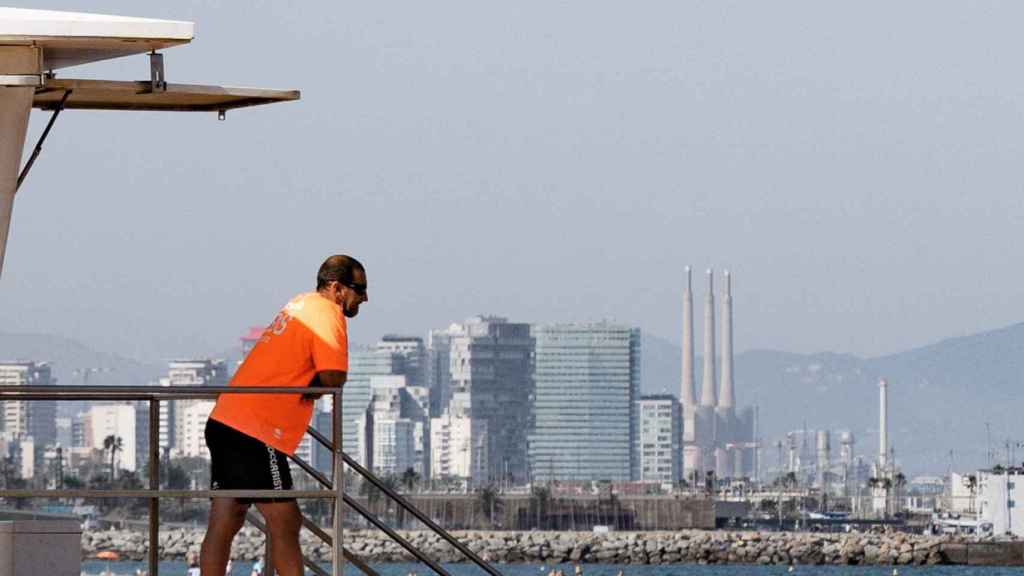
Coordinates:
x,y
191,372
403,409
119,421
193,429
414,357
587,384
29,418
81,431
660,431
321,457
363,365
198,372
166,426
490,383
64,432
393,448
439,372
454,454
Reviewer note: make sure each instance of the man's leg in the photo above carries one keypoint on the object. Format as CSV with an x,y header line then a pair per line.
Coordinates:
x,y
284,520
226,518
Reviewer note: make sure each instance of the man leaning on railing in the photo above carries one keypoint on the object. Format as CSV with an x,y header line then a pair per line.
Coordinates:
x,y
249,435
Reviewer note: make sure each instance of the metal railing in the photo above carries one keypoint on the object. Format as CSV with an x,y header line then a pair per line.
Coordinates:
x,y
154,395
334,486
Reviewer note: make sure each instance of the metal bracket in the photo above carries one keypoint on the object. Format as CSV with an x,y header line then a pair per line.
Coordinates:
x,y
158,82
42,138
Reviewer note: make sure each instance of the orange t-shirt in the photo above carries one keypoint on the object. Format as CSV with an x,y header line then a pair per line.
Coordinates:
x,y
307,336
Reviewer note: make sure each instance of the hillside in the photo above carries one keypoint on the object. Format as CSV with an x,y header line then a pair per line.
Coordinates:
x,y
941,395
70,360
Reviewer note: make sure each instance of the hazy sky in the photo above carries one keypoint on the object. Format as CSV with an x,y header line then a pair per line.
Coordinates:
x,y
856,165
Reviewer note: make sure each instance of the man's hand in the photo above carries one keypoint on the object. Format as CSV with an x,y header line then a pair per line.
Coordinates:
x,y
326,379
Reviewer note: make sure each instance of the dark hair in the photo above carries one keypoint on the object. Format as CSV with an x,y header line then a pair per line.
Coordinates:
x,y
337,268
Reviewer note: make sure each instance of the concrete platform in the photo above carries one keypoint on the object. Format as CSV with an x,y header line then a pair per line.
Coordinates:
x,y
37,547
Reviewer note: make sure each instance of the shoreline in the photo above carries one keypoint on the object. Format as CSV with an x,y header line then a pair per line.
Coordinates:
x,y
677,547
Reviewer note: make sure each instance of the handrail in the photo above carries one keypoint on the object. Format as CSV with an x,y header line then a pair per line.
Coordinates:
x,y
159,493
145,392
351,463
352,503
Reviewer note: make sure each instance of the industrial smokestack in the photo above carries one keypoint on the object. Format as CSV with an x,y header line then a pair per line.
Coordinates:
x,y
726,399
883,423
689,392
707,389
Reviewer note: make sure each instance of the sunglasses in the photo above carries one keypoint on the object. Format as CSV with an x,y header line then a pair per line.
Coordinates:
x,y
359,289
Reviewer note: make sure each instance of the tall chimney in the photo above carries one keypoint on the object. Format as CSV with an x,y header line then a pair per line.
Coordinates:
x,y
707,389
688,394
726,399
883,424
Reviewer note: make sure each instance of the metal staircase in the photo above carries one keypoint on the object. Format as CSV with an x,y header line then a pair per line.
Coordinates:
x,y
154,395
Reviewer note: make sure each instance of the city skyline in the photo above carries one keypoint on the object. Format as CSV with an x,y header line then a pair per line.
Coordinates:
x,y
970,445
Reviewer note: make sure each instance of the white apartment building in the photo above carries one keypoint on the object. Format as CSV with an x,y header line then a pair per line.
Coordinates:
x,y
27,457
193,427
190,372
118,420
660,434
29,418
393,446
396,426
458,447
166,425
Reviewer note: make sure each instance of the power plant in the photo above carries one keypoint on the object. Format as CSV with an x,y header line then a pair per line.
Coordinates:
x,y
716,438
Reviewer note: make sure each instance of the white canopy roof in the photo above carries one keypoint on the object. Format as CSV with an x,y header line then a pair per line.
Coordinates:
x,y
73,38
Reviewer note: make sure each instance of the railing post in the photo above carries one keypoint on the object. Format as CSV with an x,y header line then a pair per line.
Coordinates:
x,y
338,557
154,484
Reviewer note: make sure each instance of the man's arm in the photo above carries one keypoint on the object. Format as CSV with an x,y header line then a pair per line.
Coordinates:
x,y
331,379
326,379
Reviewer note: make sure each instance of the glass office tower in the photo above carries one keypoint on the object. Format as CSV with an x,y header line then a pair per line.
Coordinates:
x,y
586,393
356,396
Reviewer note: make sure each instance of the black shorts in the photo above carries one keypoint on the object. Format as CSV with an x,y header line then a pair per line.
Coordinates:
x,y
241,462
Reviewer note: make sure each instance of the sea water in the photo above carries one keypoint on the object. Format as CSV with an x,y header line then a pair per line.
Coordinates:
x,y
126,568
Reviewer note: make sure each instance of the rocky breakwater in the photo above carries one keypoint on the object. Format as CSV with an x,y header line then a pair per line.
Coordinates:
x,y
687,546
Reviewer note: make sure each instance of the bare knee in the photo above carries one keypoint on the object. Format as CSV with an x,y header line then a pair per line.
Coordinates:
x,y
227,515
284,520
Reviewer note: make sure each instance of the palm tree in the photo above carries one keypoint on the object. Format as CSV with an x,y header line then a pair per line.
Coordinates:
x,y
899,481
112,443
488,499
540,497
410,478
